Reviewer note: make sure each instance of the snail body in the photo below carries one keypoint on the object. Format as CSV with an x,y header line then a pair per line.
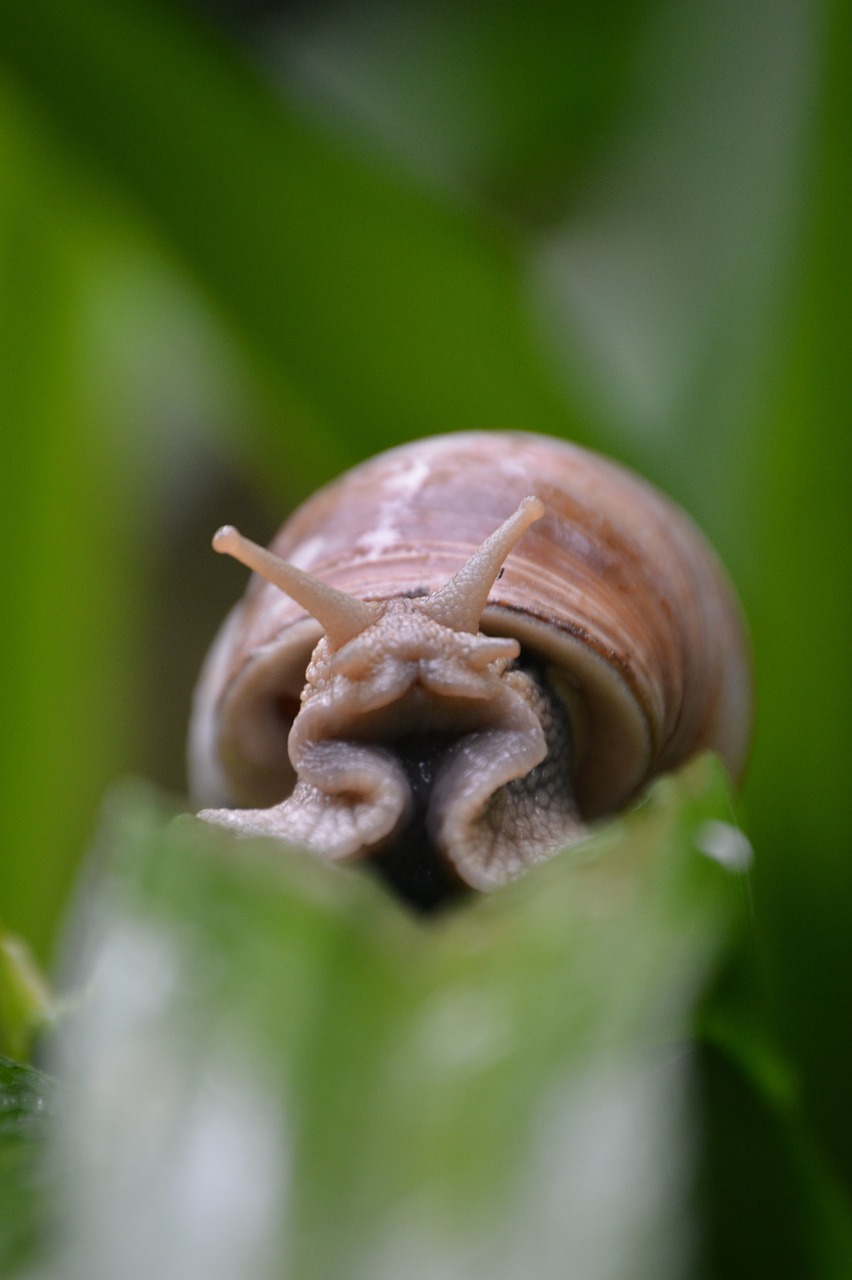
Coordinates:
x,y
501,637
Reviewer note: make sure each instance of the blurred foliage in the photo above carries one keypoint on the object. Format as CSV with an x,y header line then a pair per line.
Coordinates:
x,y
276,1071
26,1003
242,245
26,1108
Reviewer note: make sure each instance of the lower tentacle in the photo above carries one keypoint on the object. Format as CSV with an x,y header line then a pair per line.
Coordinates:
x,y
349,798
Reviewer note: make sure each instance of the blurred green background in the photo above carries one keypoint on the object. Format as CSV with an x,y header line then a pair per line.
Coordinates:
x,y
243,245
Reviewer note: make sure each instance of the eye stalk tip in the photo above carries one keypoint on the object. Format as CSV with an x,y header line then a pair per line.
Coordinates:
x,y
224,539
341,616
533,507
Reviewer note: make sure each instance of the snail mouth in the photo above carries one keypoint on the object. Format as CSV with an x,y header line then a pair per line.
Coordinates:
x,y
465,803
410,862
486,802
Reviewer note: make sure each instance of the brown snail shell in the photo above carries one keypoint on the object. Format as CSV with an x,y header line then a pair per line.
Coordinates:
x,y
635,636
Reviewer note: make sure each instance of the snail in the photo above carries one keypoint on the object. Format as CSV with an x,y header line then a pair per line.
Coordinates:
x,y
459,654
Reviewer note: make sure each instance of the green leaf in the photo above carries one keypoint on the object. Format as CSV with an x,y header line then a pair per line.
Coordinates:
x,y
66,575
662,282
26,1004
278,1070
384,309
503,100
25,1108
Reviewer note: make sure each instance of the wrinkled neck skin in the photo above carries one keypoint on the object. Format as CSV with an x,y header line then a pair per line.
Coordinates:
x,y
418,735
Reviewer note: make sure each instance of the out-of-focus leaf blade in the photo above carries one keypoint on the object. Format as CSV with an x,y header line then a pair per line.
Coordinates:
x,y
786,1213
383,309
505,100
802,618
26,1005
66,571
278,1071
662,285
26,1103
